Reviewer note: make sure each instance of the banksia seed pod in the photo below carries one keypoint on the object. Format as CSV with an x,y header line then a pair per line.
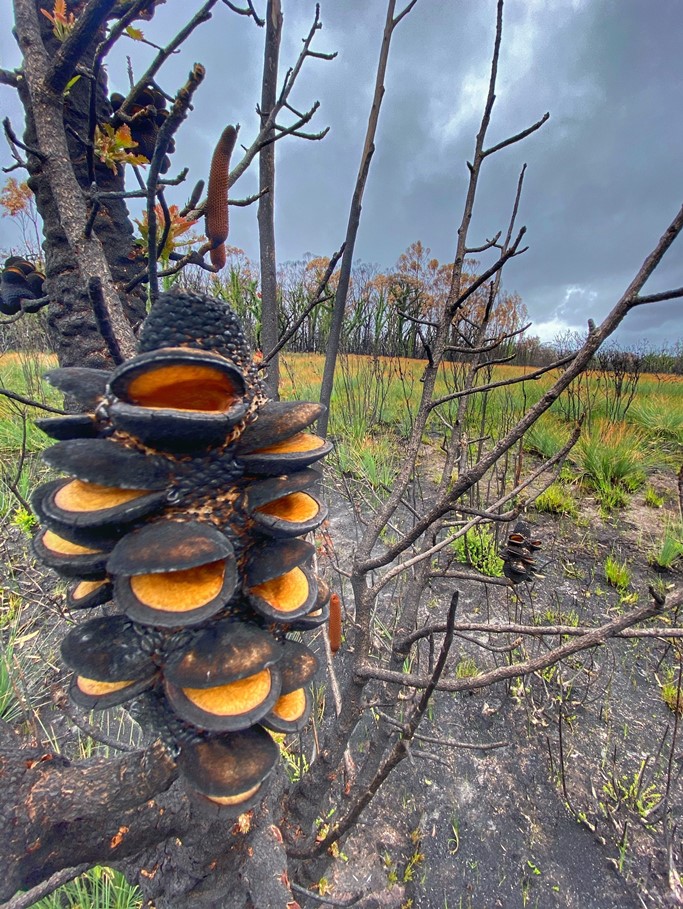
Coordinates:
x,y
217,197
184,499
148,113
519,562
20,283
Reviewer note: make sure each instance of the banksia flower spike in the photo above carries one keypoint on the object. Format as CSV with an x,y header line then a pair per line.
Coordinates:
x,y
185,496
217,197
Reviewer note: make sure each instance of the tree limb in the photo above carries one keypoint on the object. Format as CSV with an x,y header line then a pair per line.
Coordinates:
x,y
202,15
56,808
639,299
593,638
400,748
88,22
517,137
7,77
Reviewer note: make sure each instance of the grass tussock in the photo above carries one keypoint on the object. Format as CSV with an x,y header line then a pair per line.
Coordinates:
x,y
99,888
614,459
557,499
668,549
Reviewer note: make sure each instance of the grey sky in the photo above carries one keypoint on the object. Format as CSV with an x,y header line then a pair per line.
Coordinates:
x,y
605,174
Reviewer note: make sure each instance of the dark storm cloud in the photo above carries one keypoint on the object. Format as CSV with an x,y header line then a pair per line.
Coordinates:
x,y
604,175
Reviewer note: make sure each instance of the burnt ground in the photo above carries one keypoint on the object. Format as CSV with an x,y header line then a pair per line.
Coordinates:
x,y
527,823
592,824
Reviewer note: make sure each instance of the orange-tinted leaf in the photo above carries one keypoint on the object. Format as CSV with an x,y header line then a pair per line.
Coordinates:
x,y
15,197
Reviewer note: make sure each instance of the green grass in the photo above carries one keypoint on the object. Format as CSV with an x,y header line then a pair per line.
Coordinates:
x,y
374,459
670,691
557,499
466,669
614,459
99,888
10,705
652,498
547,436
617,573
669,549
22,373
478,548
661,416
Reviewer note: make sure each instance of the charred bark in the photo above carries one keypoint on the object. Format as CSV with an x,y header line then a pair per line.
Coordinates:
x,y
61,157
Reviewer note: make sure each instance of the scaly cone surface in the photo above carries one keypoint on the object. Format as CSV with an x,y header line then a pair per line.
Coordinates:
x,y
185,497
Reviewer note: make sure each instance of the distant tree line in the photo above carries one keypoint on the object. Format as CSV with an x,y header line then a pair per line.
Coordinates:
x,y
390,313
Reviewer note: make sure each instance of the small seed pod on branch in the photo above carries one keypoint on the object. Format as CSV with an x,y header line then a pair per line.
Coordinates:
x,y
335,623
217,197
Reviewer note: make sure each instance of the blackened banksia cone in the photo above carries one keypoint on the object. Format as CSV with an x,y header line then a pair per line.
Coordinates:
x,y
185,497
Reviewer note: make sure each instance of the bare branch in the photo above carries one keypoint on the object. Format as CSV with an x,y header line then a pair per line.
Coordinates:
x,y
488,245
30,897
530,376
639,299
13,396
399,750
537,631
593,638
249,11
410,318
16,166
88,23
61,700
317,299
283,98
248,200
176,115
13,484
445,504
445,743
489,345
517,137
202,15
9,78
494,269
117,30
319,55
403,13
494,362
326,900
103,319
15,141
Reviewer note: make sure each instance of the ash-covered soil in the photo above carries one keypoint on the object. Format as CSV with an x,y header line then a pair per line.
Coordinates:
x,y
574,797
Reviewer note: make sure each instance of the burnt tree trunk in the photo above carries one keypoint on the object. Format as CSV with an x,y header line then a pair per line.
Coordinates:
x,y
57,125
129,814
